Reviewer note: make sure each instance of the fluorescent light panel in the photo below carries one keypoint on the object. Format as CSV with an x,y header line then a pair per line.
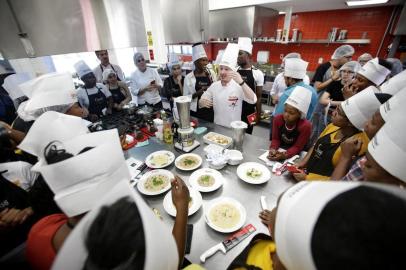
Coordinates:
x,y
366,2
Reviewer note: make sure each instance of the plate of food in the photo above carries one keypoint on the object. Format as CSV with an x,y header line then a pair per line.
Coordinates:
x,y
188,162
195,202
206,180
225,215
219,139
159,159
155,182
253,173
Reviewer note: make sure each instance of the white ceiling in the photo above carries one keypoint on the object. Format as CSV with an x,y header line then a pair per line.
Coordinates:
x,y
315,5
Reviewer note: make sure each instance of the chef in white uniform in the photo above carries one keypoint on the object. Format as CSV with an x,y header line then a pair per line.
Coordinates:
x,y
103,56
226,96
146,83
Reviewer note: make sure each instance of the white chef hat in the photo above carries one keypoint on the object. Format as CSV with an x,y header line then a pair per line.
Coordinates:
x,y
219,56
374,72
300,98
12,82
158,237
51,126
82,68
395,103
79,182
107,72
229,58
388,147
295,68
301,221
52,91
198,52
360,107
174,61
394,84
245,44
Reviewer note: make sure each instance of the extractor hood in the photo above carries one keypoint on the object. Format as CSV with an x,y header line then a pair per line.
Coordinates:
x,y
250,21
49,27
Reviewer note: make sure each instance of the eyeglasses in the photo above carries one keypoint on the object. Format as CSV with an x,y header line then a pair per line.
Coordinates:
x,y
176,68
140,60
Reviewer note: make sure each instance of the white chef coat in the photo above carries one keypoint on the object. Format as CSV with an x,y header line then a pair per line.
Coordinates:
x,y
189,87
279,85
140,80
227,102
83,98
98,72
19,173
257,74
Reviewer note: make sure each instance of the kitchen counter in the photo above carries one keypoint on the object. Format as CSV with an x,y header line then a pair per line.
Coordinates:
x,y
247,194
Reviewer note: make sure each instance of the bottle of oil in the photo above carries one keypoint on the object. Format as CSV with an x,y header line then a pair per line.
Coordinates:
x,y
167,129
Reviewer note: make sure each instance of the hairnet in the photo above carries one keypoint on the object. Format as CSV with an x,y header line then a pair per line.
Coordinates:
x,y
353,66
365,57
292,55
107,72
34,114
137,56
396,66
342,51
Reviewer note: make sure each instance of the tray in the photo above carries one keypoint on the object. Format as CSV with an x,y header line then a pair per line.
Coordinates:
x,y
208,138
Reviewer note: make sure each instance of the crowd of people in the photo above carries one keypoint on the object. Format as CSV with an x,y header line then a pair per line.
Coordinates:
x,y
65,197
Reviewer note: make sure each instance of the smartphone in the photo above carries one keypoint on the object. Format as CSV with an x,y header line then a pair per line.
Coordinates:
x,y
189,235
294,169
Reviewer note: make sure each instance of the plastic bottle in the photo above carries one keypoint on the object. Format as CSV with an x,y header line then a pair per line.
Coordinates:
x,y
167,129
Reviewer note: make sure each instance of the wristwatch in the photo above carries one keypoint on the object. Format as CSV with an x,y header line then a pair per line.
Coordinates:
x,y
241,84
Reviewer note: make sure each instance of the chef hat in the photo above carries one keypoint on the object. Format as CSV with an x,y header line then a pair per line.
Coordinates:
x,y
219,56
395,103
245,44
229,58
394,84
174,61
360,107
52,91
12,82
295,68
82,68
300,98
51,126
343,51
290,55
107,72
388,147
353,66
79,182
198,52
160,246
313,204
374,72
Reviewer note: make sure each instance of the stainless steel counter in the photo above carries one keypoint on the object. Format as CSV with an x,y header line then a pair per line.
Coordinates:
x,y
249,195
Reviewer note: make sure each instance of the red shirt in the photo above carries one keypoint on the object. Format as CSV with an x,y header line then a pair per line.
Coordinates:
x,y
40,251
304,129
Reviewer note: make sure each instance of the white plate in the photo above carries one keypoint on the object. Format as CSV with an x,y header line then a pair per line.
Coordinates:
x,y
170,156
236,204
218,179
242,173
144,178
196,202
180,167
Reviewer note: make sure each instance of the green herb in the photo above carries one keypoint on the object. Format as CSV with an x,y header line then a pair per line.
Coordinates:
x,y
188,161
156,181
205,178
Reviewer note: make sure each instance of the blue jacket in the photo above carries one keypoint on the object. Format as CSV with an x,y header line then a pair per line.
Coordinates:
x,y
280,108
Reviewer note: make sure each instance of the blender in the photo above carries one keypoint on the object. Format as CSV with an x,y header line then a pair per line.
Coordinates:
x,y
185,133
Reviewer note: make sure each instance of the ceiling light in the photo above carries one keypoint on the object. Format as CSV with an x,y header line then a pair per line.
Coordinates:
x,y
282,12
366,2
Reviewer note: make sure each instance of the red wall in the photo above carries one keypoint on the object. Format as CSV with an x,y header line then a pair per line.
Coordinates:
x,y
316,25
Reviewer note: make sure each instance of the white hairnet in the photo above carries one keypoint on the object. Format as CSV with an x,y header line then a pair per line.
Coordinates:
x,y
353,66
34,114
342,51
107,72
396,66
137,56
365,57
292,55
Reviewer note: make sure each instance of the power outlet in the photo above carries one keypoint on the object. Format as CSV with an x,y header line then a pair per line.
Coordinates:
x,y
320,60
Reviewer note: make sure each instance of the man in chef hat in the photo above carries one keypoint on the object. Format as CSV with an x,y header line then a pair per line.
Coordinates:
x,y
79,171
373,73
394,84
253,77
123,233
93,96
342,225
197,82
11,85
49,92
226,96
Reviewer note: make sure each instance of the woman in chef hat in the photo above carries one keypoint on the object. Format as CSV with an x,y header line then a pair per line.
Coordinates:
x,y
394,84
49,92
173,85
119,91
347,122
123,233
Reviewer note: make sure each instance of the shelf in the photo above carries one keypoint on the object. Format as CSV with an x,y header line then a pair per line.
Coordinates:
x,y
311,41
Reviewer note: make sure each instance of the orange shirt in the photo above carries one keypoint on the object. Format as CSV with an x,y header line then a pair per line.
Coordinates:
x,y
40,251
